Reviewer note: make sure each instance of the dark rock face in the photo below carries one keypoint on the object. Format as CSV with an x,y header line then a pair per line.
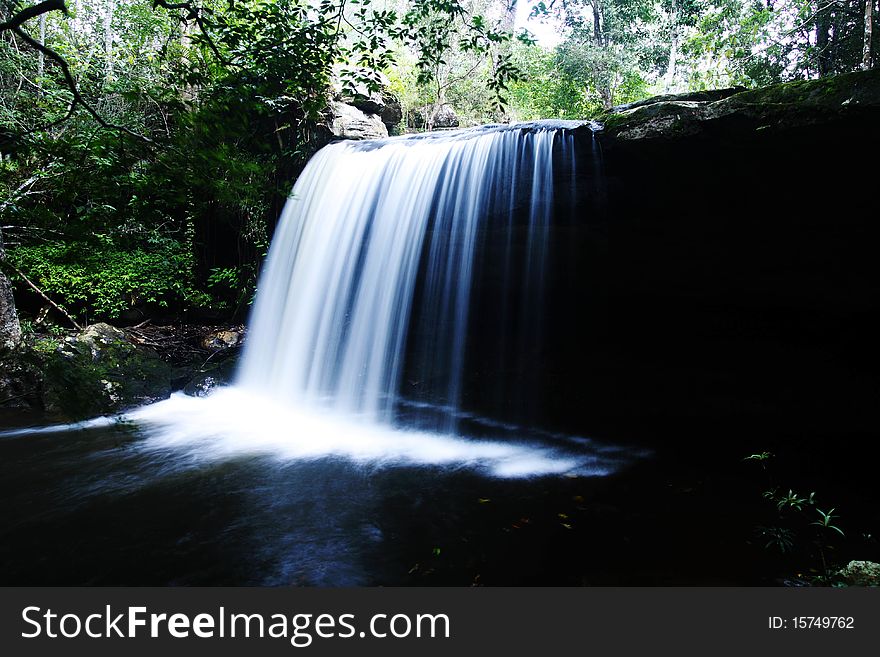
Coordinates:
x,y
392,113
20,380
10,330
369,102
727,267
711,287
211,376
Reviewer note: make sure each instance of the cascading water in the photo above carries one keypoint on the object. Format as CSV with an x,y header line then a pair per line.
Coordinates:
x,y
371,224
373,313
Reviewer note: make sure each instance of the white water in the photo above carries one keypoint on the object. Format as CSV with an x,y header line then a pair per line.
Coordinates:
x,y
367,226
330,324
234,422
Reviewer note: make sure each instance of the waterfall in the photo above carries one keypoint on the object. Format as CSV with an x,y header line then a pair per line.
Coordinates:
x,y
399,317
372,267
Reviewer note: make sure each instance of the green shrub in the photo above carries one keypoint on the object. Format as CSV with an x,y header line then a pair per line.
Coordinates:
x,y
99,280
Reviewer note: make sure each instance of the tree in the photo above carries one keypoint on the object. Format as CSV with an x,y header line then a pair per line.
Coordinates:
x,y
759,42
157,131
605,47
10,330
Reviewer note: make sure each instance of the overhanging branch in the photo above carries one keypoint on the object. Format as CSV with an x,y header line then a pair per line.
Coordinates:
x,y
14,25
195,13
71,83
32,12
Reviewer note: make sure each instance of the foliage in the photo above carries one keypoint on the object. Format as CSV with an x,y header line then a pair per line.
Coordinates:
x,y
798,523
99,281
218,105
545,92
759,43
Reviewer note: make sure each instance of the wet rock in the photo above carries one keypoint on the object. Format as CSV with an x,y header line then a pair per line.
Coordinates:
x,y
99,371
222,340
210,378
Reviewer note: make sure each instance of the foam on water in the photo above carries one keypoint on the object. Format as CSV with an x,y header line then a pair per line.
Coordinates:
x,y
234,422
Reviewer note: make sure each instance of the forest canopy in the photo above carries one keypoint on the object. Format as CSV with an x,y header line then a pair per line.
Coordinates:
x,y
147,146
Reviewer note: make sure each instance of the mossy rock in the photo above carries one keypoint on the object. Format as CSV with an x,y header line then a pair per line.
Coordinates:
x,y
861,573
100,371
777,108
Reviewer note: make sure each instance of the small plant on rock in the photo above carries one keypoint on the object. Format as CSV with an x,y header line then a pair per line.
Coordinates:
x,y
799,522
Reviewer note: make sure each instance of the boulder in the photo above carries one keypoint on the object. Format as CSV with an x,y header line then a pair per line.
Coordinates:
x,y
369,102
348,122
99,371
392,114
222,340
445,117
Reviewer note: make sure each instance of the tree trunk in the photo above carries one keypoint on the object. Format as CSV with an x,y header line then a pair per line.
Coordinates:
x,y
869,31
606,94
76,23
673,49
42,64
823,26
10,330
508,21
108,37
597,23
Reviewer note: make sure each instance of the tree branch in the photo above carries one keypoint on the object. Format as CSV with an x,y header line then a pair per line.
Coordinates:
x,y
195,13
14,25
32,12
71,83
42,294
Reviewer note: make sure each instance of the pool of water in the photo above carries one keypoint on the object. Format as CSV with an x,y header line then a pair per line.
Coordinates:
x,y
226,491
231,490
